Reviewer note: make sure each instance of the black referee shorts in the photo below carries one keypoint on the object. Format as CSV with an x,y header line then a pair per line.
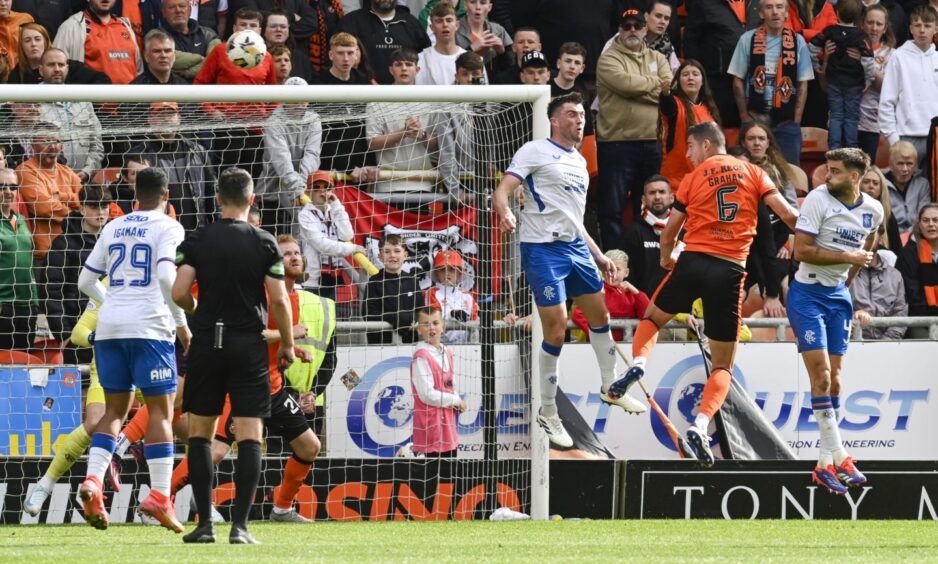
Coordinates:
x,y
286,418
238,370
717,282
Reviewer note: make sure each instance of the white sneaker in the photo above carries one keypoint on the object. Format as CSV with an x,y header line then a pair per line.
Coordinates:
x,y
216,516
36,500
553,426
628,403
288,517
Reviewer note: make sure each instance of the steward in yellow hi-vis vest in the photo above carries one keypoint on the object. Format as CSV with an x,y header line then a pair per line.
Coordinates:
x,y
317,314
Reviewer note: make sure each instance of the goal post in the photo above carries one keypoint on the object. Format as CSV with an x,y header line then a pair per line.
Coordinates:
x,y
436,200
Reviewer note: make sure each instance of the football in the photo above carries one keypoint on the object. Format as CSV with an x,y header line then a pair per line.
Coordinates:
x,y
246,49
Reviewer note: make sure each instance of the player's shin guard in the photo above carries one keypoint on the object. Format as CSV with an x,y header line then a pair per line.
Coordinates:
x,y
99,457
160,460
714,392
68,452
605,350
200,476
247,475
294,474
646,336
549,355
180,476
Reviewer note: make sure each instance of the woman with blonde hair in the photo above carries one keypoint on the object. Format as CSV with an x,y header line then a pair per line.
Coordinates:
x,y
874,184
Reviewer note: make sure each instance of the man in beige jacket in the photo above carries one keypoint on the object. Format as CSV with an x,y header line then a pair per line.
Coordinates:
x,y
629,80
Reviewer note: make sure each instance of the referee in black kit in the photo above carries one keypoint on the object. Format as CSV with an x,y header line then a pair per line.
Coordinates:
x,y
233,263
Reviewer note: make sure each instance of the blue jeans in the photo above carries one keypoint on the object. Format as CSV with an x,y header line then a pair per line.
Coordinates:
x,y
788,136
844,104
869,142
623,168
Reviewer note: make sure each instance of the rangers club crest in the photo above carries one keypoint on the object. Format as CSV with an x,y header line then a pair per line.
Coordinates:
x,y
868,220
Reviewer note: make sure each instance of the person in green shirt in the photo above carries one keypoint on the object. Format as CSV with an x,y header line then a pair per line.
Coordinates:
x,y
18,297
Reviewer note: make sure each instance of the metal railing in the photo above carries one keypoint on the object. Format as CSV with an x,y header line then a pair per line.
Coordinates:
x,y
781,325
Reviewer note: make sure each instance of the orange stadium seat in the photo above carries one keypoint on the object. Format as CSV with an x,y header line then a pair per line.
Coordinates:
x,y
49,351
18,357
588,150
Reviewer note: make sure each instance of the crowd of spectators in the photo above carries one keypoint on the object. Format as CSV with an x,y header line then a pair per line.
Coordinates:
x,y
765,70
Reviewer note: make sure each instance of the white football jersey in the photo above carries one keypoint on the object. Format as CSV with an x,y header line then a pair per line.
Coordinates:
x,y
836,227
555,181
128,251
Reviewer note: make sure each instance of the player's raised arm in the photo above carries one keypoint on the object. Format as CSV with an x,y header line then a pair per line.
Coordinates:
x,y
501,200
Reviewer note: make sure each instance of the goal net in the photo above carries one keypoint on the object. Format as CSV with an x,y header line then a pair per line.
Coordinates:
x,y
408,224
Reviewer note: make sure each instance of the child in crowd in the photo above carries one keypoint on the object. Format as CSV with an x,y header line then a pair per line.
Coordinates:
x,y
450,295
434,387
623,300
392,295
846,76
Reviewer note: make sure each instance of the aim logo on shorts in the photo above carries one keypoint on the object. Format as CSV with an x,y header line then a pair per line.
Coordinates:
x,y
160,374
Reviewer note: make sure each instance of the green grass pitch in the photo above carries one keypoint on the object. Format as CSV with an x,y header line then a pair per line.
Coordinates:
x,y
585,541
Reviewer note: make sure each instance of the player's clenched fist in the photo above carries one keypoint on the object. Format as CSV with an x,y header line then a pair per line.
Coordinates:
x,y
507,222
860,258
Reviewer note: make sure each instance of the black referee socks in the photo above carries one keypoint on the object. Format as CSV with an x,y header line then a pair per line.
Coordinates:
x,y
201,473
247,475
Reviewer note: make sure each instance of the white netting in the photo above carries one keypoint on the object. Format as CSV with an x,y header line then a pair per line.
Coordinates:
x,y
418,170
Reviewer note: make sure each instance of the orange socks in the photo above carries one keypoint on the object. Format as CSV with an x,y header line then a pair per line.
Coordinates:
x,y
137,426
714,392
294,473
646,335
180,476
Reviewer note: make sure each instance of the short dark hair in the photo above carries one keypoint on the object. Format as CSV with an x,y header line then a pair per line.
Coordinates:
x,y
391,239
278,50
853,158
738,151
849,11
428,311
138,158
248,14
572,48
527,28
469,61
92,194
708,131
404,54
442,9
257,212
42,58
656,178
41,128
152,183
235,186
653,3
925,13
558,102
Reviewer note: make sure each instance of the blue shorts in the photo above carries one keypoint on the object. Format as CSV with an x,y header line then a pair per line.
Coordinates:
x,y
559,270
820,316
148,364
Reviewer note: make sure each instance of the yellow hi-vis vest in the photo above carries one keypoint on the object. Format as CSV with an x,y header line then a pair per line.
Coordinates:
x,y
318,315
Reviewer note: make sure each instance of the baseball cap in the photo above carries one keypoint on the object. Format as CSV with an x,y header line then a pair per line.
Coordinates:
x,y
159,106
533,59
634,14
320,176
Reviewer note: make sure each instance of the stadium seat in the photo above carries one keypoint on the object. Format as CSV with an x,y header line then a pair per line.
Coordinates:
x,y
819,175
49,351
106,175
813,147
19,357
882,153
588,150
799,178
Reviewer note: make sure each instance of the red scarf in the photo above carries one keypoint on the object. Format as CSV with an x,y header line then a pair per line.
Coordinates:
x,y
739,10
925,257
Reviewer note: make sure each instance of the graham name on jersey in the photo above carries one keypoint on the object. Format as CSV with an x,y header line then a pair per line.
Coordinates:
x,y
724,174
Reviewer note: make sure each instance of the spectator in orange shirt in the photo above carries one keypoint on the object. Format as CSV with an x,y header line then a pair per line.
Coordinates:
x,y
10,23
104,42
49,189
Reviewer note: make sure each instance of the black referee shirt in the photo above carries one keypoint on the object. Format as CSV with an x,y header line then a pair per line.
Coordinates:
x,y
231,259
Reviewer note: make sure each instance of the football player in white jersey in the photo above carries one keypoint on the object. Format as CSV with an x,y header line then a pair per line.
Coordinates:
x,y
834,238
134,342
559,257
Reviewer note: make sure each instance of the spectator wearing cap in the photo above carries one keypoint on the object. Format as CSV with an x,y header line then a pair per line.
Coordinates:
x,y
629,79
325,235
49,189
382,29
17,286
292,145
771,67
438,62
159,57
185,162
526,39
57,275
534,68
105,42
83,149
193,42
396,133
